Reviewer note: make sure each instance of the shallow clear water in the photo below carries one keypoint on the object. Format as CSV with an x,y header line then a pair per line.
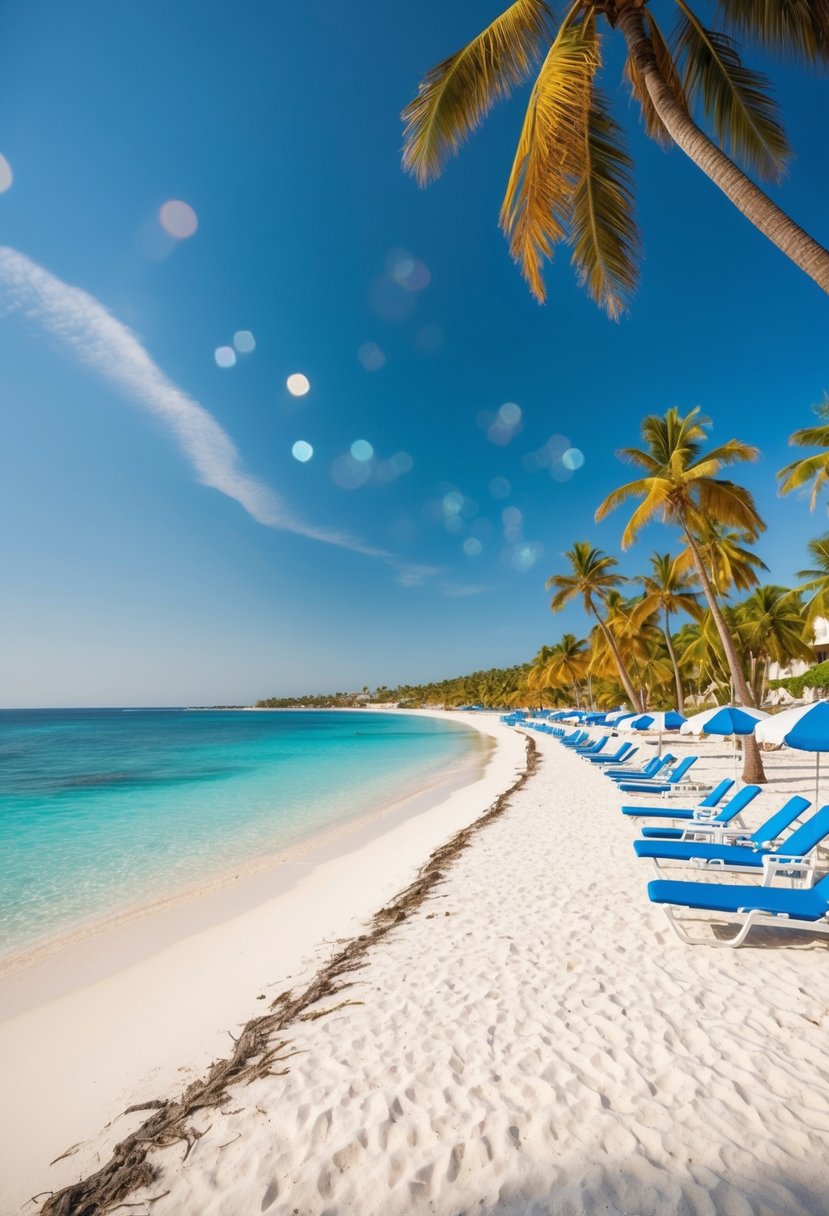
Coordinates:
x,y
103,809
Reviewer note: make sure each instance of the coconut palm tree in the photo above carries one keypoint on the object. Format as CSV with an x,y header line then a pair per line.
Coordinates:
x,y
810,468
817,580
571,177
770,630
729,563
567,663
592,578
668,589
681,485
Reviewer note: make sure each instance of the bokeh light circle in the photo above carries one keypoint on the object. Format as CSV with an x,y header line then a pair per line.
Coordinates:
x,y
302,451
362,450
225,356
573,459
499,487
178,219
244,341
298,384
6,175
472,547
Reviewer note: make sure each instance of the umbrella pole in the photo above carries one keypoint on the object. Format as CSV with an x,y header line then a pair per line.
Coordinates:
x,y
734,737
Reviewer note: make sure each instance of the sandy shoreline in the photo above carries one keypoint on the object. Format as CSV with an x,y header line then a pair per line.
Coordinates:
x,y
137,1011
530,1040
319,844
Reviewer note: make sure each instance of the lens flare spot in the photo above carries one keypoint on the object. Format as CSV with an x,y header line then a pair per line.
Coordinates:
x,y
524,556
348,473
509,414
298,384
362,450
225,356
499,487
403,462
244,341
573,459
452,503
472,547
371,357
302,451
6,175
511,517
178,219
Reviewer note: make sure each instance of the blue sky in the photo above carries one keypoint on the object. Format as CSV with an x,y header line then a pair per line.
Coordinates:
x,y
127,580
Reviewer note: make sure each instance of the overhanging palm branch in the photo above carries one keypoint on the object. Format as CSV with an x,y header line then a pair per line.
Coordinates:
x,y
551,151
735,100
793,28
811,468
457,94
603,231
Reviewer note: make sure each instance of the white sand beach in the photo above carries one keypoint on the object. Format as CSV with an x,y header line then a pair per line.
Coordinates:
x,y
530,1039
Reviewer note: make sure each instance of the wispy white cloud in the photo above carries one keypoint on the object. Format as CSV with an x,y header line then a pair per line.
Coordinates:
x,y
456,590
107,346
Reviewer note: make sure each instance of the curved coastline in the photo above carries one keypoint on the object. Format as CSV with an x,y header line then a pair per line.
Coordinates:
x,y
411,797
140,1010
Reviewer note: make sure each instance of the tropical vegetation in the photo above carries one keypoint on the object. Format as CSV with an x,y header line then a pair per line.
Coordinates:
x,y
571,178
696,628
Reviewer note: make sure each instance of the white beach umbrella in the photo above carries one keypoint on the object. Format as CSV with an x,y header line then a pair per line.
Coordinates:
x,y
805,728
660,721
730,720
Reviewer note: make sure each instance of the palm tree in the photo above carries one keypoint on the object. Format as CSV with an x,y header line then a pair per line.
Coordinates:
x,y
770,629
681,485
810,468
669,589
592,578
728,562
817,579
567,663
571,177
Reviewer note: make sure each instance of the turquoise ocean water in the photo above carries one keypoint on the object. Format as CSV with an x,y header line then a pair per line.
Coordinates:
x,y
106,809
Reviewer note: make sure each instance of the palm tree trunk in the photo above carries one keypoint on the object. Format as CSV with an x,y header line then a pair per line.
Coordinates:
x,y
765,215
753,771
624,675
680,699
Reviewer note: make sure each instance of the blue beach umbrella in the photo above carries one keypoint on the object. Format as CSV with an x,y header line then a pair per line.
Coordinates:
x,y
730,720
805,728
659,721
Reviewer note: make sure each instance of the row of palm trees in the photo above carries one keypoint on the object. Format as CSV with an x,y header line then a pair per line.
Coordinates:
x,y
728,645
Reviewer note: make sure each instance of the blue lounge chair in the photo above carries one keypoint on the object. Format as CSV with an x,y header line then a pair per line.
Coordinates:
x,y
706,810
625,752
648,772
592,748
702,825
740,851
801,908
667,786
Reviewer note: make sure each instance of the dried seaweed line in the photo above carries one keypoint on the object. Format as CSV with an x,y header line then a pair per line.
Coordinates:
x,y
128,1169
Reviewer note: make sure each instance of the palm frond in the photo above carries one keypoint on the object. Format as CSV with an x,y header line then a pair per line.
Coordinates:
x,y
620,495
603,231
799,472
735,100
729,504
551,149
654,126
456,95
656,499
795,29
811,436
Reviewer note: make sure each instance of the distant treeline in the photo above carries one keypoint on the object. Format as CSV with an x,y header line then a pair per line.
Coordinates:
x,y
493,688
